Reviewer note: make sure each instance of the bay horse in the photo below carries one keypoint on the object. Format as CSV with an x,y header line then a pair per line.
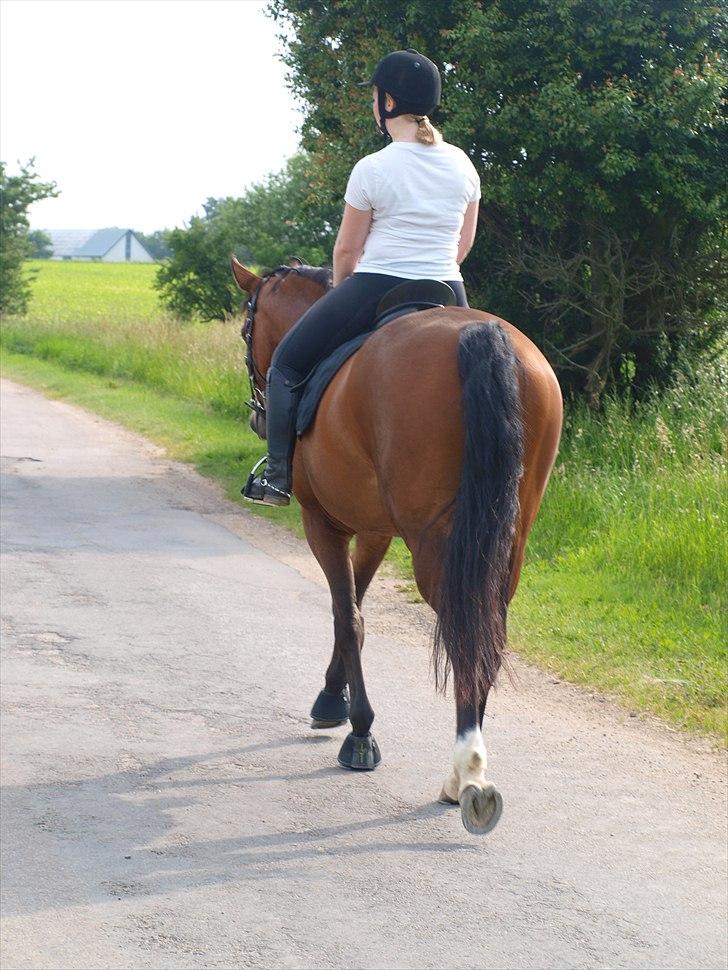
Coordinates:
x,y
443,429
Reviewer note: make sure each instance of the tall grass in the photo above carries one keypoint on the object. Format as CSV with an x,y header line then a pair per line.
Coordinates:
x,y
648,479
625,579
628,561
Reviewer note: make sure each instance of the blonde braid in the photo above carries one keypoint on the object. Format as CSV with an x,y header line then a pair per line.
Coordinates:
x,y
426,134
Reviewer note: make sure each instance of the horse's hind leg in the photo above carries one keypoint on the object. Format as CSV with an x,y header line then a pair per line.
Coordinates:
x,y
331,707
331,548
480,803
370,549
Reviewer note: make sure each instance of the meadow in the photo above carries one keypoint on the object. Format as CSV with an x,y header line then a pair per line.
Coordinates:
x,y
624,584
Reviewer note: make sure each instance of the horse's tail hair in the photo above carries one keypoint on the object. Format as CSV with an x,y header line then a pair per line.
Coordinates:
x,y
472,601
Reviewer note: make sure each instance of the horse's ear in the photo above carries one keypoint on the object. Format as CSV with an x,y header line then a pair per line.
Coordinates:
x,y
243,277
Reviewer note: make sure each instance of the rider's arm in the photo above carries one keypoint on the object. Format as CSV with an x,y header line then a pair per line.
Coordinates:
x,y
467,233
350,241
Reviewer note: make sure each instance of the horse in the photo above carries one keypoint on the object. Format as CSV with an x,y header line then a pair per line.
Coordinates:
x,y
443,429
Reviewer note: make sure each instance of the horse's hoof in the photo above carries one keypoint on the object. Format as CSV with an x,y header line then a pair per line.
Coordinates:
x,y
330,709
359,753
480,808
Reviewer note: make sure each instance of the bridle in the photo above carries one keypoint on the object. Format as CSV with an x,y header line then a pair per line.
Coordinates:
x,y
257,394
256,377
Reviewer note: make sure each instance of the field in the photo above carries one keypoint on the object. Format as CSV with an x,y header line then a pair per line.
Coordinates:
x,y
623,588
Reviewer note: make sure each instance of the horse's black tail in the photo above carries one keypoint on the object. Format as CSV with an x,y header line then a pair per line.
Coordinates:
x,y
470,635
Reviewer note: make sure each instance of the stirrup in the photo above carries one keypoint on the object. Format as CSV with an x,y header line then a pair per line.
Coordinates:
x,y
263,491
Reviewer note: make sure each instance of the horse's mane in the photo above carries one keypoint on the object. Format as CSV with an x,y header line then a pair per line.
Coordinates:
x,y
317,274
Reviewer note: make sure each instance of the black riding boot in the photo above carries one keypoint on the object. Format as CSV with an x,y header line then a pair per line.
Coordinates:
x,y
281,402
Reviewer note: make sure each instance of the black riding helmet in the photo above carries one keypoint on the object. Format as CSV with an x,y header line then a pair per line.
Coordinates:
x,y
411,79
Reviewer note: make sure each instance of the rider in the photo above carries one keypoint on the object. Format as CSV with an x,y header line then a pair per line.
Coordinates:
x,y
411,212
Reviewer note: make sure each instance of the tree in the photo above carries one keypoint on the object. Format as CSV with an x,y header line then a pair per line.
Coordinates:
x,y
17,194
274,220
155,243
196,280
598,133
283,216
41,245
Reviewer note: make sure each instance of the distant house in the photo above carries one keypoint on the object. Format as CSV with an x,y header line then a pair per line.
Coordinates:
x,y
98,245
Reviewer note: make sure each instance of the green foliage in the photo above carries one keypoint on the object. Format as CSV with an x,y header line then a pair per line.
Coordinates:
x,y
41,245
155,243
196,281
274,220
17,194
598,132
283,217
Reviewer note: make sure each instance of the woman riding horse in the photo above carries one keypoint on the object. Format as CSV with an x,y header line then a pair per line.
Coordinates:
x,y
410,213
442,428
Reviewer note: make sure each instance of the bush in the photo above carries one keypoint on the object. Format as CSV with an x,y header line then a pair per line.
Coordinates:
x,y
273,221
17,194
196,281
41,245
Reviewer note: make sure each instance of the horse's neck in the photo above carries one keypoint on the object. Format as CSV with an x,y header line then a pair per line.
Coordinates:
x,y
278,326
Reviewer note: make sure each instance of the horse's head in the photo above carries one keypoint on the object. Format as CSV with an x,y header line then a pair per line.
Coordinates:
x,y
275,302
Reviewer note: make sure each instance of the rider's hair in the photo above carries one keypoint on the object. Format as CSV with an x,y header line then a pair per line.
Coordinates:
x,y
426,133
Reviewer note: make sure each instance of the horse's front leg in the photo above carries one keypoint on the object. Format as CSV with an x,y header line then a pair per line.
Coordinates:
x,y
331,707
331,548
480,803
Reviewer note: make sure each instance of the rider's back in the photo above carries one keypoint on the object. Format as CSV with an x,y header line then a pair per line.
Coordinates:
x,y
418,195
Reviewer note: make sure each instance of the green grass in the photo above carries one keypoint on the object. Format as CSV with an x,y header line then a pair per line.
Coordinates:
x,y
65,292
623,589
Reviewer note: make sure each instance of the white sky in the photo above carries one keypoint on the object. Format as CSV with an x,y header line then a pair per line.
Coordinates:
x,y
141,109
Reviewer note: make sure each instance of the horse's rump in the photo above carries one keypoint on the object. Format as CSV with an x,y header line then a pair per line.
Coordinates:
x,y
380,421
387,442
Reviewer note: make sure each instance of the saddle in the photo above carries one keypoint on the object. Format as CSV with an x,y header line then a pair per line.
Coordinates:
x,y
409,297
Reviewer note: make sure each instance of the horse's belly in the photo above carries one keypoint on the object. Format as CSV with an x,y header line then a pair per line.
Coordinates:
x,y
342,483
336,467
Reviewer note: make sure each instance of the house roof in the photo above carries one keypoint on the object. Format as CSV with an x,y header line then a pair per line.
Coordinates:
x,y
85,243
67,242
101,242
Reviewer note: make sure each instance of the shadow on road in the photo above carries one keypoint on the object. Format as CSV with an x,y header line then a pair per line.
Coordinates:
x,y
202,819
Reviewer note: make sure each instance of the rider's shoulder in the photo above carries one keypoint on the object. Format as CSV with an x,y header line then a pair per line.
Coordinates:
x,y
366,163
454,150
461,157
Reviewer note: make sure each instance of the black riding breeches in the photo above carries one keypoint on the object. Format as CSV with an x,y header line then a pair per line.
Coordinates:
x,y
341,313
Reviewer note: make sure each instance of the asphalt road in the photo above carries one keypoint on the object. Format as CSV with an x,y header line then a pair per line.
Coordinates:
x,y
165,804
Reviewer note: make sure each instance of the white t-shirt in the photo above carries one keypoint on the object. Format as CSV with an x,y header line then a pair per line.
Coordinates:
x,y
418,195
